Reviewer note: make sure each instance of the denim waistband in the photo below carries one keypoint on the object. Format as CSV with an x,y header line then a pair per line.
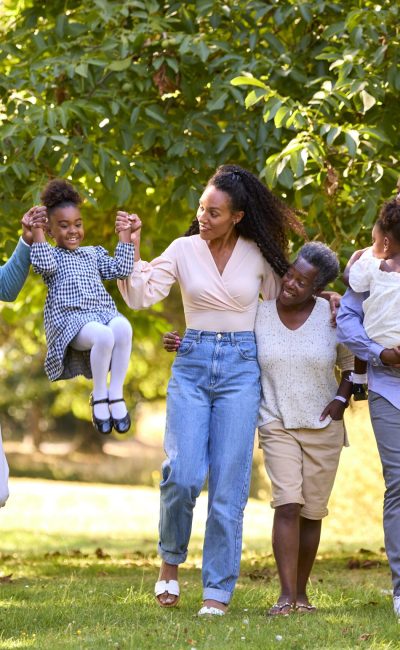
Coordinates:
x,y
230,337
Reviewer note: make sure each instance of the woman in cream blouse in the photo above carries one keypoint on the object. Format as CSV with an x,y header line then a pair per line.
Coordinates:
x,y
234,250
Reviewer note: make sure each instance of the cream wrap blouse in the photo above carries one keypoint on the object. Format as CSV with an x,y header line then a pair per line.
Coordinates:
x,y
212,301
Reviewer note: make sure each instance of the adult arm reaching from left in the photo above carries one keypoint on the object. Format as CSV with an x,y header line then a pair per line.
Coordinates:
x,y
14,272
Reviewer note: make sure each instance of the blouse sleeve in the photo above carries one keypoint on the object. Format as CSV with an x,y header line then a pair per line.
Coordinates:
x,y
150,282
271,283
361,273
344,358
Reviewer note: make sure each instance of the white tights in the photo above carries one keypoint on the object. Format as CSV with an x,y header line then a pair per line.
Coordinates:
x,y
110,349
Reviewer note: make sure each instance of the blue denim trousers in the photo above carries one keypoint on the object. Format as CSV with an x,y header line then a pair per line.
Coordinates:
x,y
212,405
385,420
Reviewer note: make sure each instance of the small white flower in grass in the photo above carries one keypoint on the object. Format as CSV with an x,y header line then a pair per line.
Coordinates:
x,y
245,621
243,638
279,637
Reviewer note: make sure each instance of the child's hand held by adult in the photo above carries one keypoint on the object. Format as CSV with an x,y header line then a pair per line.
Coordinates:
x,y
123,227
35,218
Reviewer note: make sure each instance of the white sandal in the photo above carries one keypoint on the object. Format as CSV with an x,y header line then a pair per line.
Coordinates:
x,y
210,611
171,587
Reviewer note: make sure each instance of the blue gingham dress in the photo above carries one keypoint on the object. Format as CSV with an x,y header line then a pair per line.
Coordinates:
x,y
76,296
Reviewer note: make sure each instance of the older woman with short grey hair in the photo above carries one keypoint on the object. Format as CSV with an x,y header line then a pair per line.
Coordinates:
x,y
301,428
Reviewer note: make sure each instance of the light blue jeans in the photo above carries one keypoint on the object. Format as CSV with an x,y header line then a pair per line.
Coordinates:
x,y
385,420
212,405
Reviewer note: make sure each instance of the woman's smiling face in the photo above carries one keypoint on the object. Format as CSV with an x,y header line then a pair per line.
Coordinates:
x,y
298,283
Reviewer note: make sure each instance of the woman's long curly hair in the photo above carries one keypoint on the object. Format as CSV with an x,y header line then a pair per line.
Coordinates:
x,y
58,193
266,219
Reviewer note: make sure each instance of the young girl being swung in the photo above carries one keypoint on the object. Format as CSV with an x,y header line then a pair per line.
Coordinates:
x,y
85,333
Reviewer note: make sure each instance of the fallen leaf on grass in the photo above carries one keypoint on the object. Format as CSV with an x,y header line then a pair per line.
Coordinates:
x,y
260,574
365,551
366,636
369,564
100,554
77,553
353,563
6,578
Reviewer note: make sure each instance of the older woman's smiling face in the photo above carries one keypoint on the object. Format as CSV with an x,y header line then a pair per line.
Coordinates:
x,y
298,283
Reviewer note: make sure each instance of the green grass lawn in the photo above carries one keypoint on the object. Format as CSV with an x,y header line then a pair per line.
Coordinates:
x,y
83,565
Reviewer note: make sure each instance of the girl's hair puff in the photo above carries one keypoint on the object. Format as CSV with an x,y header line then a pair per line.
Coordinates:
x,y
58,193
266,219
389,218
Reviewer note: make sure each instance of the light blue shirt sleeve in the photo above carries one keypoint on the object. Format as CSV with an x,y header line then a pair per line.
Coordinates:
x,y
14,272
350,329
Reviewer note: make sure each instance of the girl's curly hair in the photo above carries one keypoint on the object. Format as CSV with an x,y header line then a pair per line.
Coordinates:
x,y
58,193
266,220
389,218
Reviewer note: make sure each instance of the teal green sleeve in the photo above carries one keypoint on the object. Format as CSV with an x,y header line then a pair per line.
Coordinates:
x,y
14,272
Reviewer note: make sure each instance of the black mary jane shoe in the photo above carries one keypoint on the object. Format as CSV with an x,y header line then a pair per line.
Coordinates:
x,y
102,426
121,425
360,392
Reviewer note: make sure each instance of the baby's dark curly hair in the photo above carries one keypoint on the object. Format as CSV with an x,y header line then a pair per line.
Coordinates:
x,y
58,193
266,220
389,218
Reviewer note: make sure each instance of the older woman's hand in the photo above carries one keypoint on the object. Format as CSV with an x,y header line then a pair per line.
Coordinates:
x,y
171,341
335,409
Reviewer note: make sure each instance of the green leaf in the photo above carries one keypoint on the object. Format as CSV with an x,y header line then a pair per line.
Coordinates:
x,y
352,138
82,69
253,97
38,144
282,113
123,190
119,66
66,164
223,141
248,81
155,113
218,103
367,100
204,52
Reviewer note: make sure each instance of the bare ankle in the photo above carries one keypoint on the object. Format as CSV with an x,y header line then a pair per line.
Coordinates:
x,y
209,602
168,571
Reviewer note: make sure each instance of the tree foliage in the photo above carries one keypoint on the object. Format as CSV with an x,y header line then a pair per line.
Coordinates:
x,y
137,101
329,100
